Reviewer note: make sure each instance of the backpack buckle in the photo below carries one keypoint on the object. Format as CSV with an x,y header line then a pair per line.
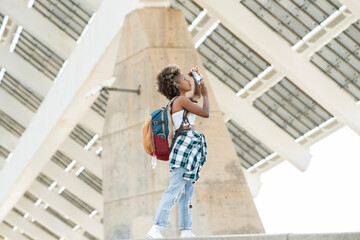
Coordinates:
x,y
157,122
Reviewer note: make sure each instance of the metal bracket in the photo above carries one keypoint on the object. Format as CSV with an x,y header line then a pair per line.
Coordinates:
x,y
123,90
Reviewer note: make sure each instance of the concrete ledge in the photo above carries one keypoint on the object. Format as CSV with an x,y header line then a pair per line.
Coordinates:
x,y
326,236
285,236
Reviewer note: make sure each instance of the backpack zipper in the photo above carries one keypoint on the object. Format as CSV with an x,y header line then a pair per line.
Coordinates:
x,y
162,119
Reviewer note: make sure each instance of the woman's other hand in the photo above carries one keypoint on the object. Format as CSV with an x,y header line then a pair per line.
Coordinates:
x,y
194,69
203,89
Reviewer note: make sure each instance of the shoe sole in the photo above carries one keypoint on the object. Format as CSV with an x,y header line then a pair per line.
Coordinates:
x,y
149,237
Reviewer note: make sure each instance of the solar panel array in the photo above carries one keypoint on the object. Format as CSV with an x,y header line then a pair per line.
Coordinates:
x,y
189,8
38,55
47,181
24,95
86,176
340,60
70,197
292,19
71,16
11,125
33,199
81,135
100,103
92,180
17,212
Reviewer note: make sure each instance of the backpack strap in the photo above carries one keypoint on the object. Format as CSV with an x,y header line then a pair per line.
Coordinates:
x,y
162,121
185,118
171,102
180,130
191,99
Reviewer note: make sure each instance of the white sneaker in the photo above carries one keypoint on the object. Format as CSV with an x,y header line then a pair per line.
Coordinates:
x,y
187,233
155,232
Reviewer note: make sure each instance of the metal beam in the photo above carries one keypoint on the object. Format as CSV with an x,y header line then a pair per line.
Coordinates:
x,y
203,30
295,66
353,6
15,109
60,204
65,103
339,22
29,76
39,26
92,4
253,181
8,140
87,159
47,219
259,125
7,232
75,185
2,162
29,228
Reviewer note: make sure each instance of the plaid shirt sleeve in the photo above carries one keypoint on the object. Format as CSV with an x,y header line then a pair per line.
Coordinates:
x,y
189,151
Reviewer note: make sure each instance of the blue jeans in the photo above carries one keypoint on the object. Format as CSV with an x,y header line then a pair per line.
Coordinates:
x,y
179,189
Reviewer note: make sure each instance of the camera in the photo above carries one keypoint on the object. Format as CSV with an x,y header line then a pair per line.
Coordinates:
x,y
197,77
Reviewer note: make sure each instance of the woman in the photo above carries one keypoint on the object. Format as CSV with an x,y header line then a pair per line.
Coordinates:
x,y
188,153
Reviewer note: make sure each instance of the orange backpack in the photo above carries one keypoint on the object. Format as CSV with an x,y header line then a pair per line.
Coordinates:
x,y
156,133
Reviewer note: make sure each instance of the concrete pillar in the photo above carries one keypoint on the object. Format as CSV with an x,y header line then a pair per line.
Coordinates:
x,y
150,39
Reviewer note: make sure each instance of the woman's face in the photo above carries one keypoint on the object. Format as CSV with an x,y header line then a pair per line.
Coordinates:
x,y
184,84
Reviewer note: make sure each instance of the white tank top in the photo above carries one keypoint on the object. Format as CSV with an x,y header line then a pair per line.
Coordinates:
x,y
178,117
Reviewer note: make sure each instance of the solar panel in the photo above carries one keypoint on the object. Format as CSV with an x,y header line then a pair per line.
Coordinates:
x,y
11,124
249,149
42,178
61,159
81,135
77,201
62,218
47,181
89,236
291,108
189,8
27,97
340,60
86,176
230,59
33,199
69,15
38,55
92,180
292,19
42,227
100,103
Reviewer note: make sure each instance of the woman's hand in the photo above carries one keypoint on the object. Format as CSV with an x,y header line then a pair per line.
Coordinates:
x,y
203,89
194,69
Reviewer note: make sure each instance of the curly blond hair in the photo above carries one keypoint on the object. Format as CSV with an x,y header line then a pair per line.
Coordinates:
x,y
166,81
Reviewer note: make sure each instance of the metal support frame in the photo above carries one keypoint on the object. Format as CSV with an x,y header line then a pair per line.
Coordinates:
x,y
122,89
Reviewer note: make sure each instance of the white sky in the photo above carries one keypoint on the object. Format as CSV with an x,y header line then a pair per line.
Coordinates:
x,y
324,198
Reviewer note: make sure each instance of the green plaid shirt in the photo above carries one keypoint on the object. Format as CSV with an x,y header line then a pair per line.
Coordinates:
x,y
189,151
